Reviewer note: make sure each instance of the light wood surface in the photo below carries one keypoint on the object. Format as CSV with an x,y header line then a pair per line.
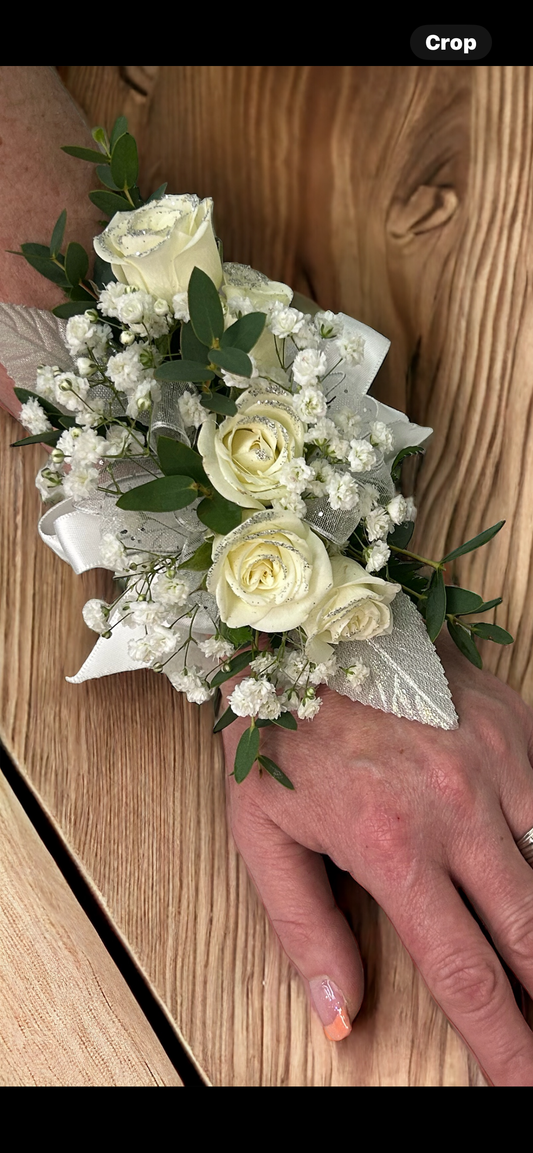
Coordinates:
x,y
401,196
67,1016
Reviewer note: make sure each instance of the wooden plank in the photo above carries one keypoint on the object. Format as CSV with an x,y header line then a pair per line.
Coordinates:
x,y
67,1017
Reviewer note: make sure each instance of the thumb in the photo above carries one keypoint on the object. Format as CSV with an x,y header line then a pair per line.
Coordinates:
x,y
294,887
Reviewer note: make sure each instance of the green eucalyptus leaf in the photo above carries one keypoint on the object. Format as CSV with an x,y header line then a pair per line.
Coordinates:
x,y
245,332
231,360
162,495
50,437
401,535
460,601
205,309
226,719
286,721
158,194
71,308
217,402
47,268
484,608
79,294
125,161
103,173
396,468
436,605
236,637
476,542
492,633
58,234
177,459
119,128
103,273
89,154
219,514
109,202
275,771
200,560
184,370
191,347
65,421
465,644
100,135
246,755
230,668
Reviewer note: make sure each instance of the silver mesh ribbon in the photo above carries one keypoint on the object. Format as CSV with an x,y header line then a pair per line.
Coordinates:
x,y
406,676
334,525
166,416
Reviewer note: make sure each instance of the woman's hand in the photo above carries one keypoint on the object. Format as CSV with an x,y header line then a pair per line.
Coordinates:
x,y
412,813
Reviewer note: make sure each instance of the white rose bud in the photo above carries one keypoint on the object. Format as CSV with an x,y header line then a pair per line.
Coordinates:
x,y
156,247
355,609
269,572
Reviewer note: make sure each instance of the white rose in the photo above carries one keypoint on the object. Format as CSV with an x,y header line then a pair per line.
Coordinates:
x,y
269,572
156,247
242,283
356,608
244,456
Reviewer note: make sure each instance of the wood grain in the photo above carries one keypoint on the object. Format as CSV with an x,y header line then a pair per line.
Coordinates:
x,y
67,1017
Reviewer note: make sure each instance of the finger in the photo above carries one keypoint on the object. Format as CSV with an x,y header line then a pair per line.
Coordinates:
x,y
293,885
465,977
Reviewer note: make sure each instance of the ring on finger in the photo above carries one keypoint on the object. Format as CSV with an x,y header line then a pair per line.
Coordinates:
x,y
525,844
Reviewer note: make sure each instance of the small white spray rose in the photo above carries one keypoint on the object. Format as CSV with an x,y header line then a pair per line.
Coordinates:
x,y
269,572
357,607
245,455
156,247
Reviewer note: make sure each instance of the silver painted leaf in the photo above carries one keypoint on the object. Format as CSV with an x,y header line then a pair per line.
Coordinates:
x,y
406,676
30,337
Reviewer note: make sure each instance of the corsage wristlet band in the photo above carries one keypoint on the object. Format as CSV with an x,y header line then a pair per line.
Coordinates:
x,y
215,447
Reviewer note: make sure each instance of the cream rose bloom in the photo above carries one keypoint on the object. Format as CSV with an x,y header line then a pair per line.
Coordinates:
x,y
156,247
356,608
269,572
244,455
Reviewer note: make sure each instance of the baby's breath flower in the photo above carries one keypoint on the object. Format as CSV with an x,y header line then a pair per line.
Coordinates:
x,y
410,509
328,324
33,417
45,383
191,682
309,706
96,615
217,647
378,524
357,674
321,673
361,456
191,411
308,366
397,509
180,306
283,320
310,404
252,698
351,347
376,557
113,553
170,591
343,491
381,436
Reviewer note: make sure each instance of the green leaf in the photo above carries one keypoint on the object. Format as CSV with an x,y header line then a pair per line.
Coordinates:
x,y
58,233
78,294
245,332
32,249
71,308
100,135
158,194
275,771
460,601
401,535
47,268
200,560
226,719
178,459
65,421
83,153
236,637
109,202
76,262
286,721
50,437
24,394
231,360
465,644
217,402
492,633
119,128
103,173
162,495
191,347
230,668
125,162
103,273
436,605
484,608
205,308
246,755
184,370
396,468
476,542
219,514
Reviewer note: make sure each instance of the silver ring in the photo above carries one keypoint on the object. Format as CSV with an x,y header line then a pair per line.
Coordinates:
x,y
525,844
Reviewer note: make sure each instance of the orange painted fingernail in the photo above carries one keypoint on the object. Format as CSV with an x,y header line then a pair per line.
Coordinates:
x,y
330,1005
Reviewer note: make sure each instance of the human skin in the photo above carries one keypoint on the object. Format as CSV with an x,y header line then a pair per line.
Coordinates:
x,y
415,811
412,813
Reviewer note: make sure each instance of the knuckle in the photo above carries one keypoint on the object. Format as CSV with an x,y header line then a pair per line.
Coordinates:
x,y
518,936
450,783
471,983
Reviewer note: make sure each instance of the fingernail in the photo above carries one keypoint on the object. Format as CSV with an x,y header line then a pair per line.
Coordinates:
x,y
330,1005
